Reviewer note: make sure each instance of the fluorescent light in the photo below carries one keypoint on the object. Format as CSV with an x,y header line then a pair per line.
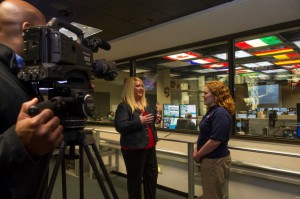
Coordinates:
x,y
254,43
274,71
174,75
203,61
264,63
216,65
297,43
206,71
221,56
296,61
137,70
182,56
258,64
242,54
238,54
273,51
243,71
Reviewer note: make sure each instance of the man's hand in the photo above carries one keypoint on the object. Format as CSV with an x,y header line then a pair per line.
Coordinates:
x,y
39,134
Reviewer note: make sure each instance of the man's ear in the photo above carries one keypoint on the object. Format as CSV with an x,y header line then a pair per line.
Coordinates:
x,y
25,25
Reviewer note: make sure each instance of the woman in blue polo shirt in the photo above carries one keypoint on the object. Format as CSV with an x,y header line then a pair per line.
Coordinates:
x,y
215,128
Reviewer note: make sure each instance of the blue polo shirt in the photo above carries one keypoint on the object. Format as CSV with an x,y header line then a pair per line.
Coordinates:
x,y
215,125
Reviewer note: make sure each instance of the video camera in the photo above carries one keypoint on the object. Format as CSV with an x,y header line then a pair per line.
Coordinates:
x,y
66,67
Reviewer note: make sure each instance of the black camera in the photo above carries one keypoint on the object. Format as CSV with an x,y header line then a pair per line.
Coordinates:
x,y
66,67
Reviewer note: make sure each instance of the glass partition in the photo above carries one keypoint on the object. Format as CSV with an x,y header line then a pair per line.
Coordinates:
x,y
266,86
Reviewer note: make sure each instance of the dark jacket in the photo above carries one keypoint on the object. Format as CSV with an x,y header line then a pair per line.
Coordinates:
x,y
134,134
20,173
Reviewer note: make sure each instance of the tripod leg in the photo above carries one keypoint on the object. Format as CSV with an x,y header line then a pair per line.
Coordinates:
x,y
59,160
63,177
96,171
44,182
105,173
81,177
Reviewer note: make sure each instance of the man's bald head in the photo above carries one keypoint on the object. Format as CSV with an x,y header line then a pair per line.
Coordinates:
x,y
15,16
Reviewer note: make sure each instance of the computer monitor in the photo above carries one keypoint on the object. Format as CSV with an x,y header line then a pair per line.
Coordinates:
x,y
170,122
292,113
283,109
188,108
171,110
242,115
251,115
261,109
194,120
279,112
266,94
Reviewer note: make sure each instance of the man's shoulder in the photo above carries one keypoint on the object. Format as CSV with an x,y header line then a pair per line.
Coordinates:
x,y
6,56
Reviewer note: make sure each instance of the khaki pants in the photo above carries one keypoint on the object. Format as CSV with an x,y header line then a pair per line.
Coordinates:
x,y
214,177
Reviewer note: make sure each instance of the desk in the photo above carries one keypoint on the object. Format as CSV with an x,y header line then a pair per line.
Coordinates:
x,y
256,126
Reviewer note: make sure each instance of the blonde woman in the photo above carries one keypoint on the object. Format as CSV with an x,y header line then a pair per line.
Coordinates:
x,y
135,120
215,128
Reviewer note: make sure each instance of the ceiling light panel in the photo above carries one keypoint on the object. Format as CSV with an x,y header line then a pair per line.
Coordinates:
x,y
275,71
257,64
273,51
203,61
254,43
238,54
295,61
287,56
182,56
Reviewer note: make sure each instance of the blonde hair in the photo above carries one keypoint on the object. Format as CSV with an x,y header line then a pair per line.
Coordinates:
x,y
128,93
222,95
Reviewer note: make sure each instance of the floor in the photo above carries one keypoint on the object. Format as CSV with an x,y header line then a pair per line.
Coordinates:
x,y
92,189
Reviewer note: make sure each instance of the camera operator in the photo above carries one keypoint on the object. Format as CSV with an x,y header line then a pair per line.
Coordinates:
x,y
26,142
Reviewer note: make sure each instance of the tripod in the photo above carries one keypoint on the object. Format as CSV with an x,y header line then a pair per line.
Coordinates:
x,y
84,139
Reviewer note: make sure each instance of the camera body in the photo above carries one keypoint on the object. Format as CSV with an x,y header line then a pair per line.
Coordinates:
x,y
51,55
65,67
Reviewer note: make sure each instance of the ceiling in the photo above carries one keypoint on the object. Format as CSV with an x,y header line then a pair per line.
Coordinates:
x,y
138,27
117,18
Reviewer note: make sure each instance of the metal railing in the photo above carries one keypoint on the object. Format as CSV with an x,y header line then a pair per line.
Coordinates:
x,y
191,164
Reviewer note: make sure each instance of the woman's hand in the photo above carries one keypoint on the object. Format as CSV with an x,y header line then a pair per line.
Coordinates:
x,y
145,119
196,156
158,118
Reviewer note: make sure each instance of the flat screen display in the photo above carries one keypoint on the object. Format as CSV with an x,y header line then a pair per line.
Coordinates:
x,y
188,108
279,112
264,94
242,115
149,83
283,109
170,122
292,113
171,110
251,115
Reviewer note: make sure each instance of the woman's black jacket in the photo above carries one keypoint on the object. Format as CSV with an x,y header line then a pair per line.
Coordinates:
x,y
134,134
